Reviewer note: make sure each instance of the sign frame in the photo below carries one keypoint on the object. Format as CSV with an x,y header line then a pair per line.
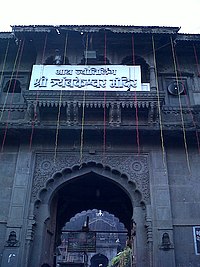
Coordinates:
x,y
196,235
82,242
85,77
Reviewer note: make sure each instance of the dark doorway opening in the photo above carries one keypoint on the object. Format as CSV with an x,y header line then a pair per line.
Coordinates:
x,y
99,260
93,191
88,191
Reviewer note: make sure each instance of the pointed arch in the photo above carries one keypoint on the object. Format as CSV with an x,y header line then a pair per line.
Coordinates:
x,y
73,189
58,180
128,60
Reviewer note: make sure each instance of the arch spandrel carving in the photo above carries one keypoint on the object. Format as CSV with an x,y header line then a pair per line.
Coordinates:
x,y
134,167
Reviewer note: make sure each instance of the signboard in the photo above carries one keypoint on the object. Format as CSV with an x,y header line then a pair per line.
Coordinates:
x,y
82,242
93,78
196,233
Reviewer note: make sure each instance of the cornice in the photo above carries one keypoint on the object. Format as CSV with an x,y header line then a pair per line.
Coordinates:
x,y
97,28
93,99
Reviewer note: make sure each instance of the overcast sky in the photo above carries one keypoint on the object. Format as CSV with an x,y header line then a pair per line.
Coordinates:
x,y
178,13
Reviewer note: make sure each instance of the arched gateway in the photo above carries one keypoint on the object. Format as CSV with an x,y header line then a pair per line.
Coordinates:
x,y
59,196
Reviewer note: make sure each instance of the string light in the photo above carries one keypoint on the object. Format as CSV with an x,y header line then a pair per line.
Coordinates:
x,y
135,101
104,116
2,73
83,109
198,71
59,107
12,74
180,105
18,57
196,59
37,95
158,102
189,107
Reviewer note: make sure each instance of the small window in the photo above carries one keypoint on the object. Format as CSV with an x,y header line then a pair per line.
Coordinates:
x,y
12,86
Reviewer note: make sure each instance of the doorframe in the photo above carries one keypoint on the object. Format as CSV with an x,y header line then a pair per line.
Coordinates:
x,y
41,210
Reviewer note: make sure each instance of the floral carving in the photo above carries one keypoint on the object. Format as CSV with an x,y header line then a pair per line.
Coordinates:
x,y
133,166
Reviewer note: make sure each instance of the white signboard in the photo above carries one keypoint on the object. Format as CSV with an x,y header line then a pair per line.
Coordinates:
x,y
93,78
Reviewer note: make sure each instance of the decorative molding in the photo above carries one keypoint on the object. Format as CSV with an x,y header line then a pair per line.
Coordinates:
x,y
93,99
134,167
30,227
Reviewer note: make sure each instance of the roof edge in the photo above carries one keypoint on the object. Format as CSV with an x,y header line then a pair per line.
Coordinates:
x,y
96,28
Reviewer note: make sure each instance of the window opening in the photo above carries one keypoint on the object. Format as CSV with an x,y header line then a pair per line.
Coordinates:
x,y
12,86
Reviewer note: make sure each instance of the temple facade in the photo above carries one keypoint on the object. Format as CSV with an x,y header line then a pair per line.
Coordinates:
x,y
99,119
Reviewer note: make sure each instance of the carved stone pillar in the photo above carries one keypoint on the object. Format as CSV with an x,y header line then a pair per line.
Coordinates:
x,y
68,113
32,112
29,239
75,113
115,115
133,239
118,115
149,229
72,113
151,114
152,78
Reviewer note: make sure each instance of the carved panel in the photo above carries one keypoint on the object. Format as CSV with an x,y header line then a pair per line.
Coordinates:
x,y
135,167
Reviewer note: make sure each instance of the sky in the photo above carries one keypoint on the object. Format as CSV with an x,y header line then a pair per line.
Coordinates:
x,y
170,13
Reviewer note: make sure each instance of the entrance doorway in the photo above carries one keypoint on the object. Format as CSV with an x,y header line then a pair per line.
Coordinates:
x,y
71,193
91,195
92,191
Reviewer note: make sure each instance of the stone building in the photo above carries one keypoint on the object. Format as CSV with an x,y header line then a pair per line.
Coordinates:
x,y
110,235
105,118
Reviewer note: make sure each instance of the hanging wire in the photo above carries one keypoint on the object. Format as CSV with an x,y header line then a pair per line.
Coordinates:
x,y
189,105
57,126
2,73
5,100
180,105
135,100
83,107
11,77
198,71
104,112
18,57
4,61
59,106
196,59
65,48
158,102
37,96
